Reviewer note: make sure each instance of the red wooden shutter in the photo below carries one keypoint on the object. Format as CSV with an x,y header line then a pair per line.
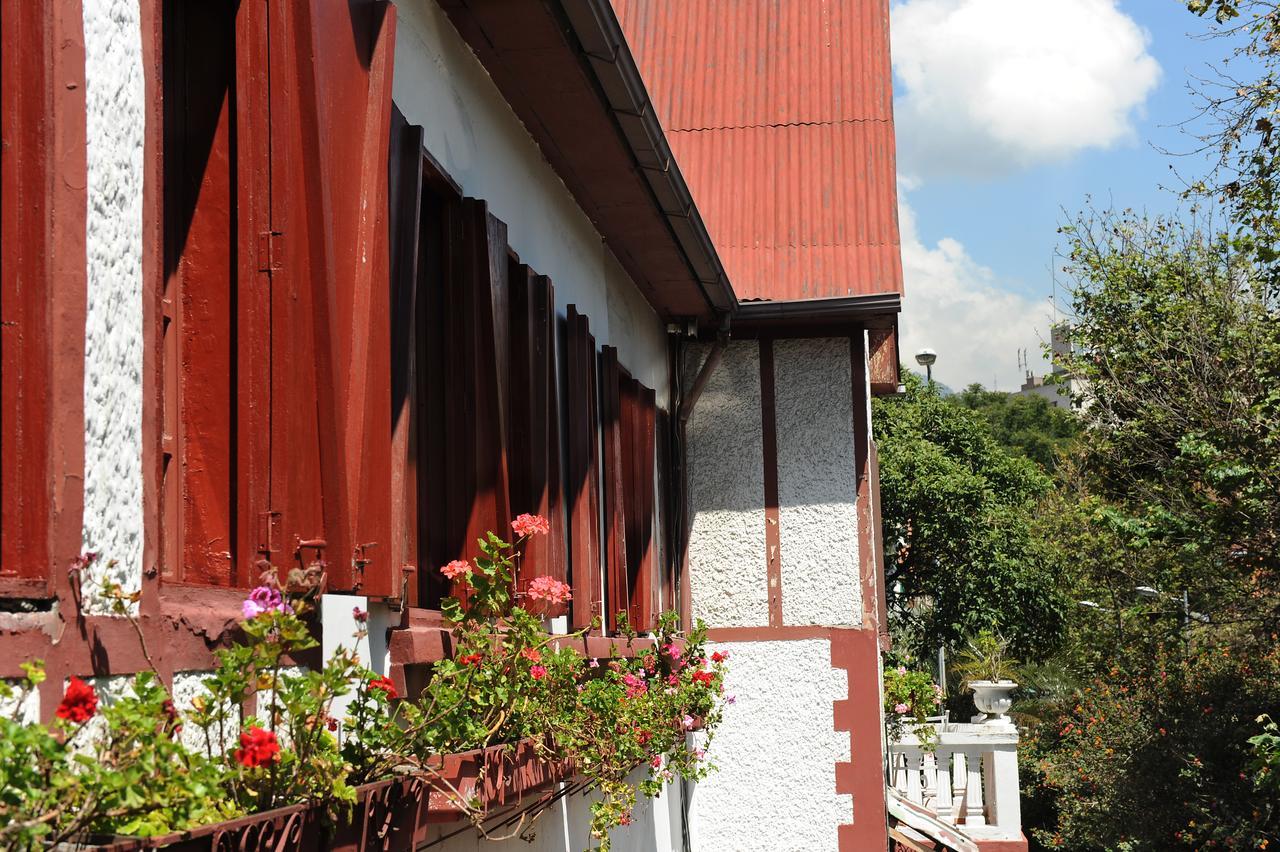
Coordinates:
x,y
24,304
534,440
638,443
215,338
614,474
582,470
405,176
331,383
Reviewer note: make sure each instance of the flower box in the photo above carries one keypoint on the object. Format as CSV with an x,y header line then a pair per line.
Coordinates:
x,y
388,815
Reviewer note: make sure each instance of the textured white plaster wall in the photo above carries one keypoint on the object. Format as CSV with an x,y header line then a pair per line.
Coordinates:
x,y
817,482
472,131
113,345
727,571
776,751
19,707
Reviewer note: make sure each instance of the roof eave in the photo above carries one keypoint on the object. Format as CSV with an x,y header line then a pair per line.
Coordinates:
x,y
602,136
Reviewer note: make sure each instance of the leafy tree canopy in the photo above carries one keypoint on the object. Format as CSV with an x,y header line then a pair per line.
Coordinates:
x,y
958,514
1027,425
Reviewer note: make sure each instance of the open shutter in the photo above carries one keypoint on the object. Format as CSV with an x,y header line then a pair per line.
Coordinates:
x,y
476,373
330,366
614,475
534,438
405,176
582,469
638,444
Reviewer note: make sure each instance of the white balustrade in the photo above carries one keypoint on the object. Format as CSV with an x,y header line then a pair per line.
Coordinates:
x,y
970,780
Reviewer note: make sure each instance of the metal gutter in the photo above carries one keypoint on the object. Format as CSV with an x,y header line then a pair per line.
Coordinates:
x,y
604,47
833,309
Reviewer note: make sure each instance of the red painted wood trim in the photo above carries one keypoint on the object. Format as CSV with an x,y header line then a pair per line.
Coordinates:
x,y
782,633
867,550
863,777
153,308
769,436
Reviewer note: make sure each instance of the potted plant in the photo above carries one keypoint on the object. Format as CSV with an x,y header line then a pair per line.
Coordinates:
x,y
989,671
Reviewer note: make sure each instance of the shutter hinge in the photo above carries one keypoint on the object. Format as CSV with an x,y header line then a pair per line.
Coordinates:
x,y
360,558
268,251
268,539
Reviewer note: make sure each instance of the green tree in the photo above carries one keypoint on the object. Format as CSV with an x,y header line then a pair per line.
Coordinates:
x,y
1027,425
1174,485
958,513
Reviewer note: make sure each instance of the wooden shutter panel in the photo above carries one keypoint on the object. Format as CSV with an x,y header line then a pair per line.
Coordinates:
x,y
614,475
476,376
638,442
25,294
405,176
534,440
331,404
582,469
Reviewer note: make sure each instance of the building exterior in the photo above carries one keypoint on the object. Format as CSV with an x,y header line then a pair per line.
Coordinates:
x,y
1060,387
300,282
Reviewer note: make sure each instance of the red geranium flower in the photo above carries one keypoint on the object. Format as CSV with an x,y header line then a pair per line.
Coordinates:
x,y
79,703
719,657
470,659
258,747
703,678
533,655
538,672
384,684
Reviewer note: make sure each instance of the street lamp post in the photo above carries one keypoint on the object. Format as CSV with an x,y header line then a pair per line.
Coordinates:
x,y
925,358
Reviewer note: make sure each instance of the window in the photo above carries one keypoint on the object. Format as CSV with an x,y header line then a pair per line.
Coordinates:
x,y
276,401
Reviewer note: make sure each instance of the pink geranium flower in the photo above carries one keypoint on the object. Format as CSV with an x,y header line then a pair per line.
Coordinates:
x,y
455,569
263,599
550,589
900,708
527,524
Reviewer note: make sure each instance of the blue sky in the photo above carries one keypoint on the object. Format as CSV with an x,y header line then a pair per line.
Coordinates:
x,y
1008,112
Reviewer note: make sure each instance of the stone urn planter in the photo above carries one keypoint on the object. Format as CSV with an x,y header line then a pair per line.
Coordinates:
x,y
993,698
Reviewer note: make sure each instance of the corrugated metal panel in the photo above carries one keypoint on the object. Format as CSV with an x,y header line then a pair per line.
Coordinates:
x,y
780,115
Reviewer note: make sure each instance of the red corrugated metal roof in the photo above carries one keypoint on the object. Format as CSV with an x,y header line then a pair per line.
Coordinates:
x,y
780,115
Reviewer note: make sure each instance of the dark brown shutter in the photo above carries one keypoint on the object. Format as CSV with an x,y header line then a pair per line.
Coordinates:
x,y
405,177
582,469
534,442
615,462
476,377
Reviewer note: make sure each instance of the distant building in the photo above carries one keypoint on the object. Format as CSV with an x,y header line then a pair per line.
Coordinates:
x,y
1059,387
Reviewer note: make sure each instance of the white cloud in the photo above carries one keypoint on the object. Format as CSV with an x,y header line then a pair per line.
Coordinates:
x,y
954,305
990,86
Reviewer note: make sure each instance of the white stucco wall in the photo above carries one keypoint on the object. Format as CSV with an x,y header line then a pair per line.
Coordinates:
x,y
475,136
776,750
817,482
727,569
113,345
